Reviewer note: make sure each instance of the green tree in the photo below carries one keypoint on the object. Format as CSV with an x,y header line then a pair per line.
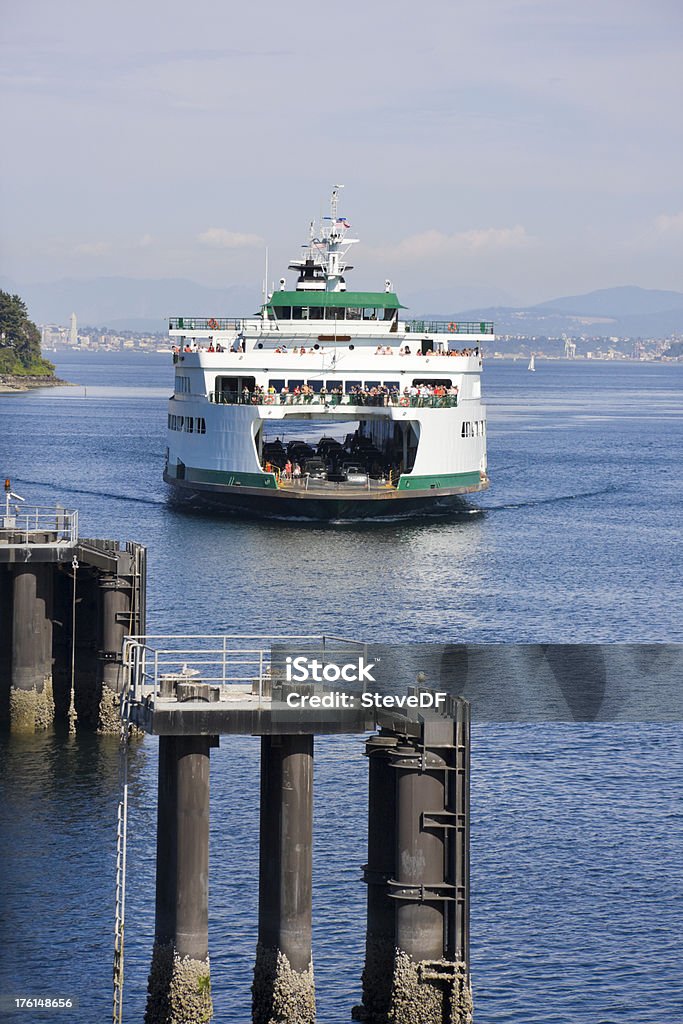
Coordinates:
x,y
19,339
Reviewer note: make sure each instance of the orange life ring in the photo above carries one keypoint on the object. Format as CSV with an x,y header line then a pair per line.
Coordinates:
x,y
403,400
269,399
213,324
453,328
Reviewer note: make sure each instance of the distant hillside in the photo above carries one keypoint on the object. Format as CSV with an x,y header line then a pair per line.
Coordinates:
x,y
625,312
617,302
145,305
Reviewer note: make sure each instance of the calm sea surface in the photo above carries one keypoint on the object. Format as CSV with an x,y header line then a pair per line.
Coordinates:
x,y
577,836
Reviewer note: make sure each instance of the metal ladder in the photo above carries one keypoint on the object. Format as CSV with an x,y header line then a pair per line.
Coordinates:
x,y
121,853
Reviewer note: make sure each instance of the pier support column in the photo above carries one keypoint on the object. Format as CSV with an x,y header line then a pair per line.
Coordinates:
x,y
179,981
430,977
380,940
5,642
283,989
114,606
31,701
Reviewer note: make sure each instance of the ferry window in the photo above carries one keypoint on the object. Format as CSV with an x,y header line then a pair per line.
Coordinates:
x,y
389,314
332,385
283,312
334,313
444,382
170,422
354,313
316,385
391,384
316,313
189,424
349,385
369,314
277,384
182,385
201,425
291,384
372,383
296,313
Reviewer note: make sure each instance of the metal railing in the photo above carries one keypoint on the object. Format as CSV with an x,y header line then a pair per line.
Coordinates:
x,y
449,327
221,323
317,399
38,525
241,665
211,323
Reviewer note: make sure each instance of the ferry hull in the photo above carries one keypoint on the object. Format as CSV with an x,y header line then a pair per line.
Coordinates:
x,y
320,506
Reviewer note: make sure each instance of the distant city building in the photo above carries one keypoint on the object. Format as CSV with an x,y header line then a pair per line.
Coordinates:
x,y
73,331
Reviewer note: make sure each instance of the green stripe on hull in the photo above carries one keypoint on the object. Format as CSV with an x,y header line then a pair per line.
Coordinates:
x,y
219,476
426,483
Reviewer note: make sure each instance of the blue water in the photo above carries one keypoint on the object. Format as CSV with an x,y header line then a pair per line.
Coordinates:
x,y
577,832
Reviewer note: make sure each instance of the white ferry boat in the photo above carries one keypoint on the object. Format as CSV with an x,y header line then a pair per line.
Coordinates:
x,y
327,404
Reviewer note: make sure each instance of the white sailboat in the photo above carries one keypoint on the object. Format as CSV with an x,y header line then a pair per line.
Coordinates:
x,y
532,363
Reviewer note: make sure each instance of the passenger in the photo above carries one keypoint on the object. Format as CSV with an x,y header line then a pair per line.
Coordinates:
x,y
211,348
296,472
288,470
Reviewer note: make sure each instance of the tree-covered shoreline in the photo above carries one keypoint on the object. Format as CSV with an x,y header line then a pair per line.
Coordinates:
x,y
20,354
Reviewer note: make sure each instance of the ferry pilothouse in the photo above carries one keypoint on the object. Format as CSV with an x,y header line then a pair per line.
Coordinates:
x,y
327,404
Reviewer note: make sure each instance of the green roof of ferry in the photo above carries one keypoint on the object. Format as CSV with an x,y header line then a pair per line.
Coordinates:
x,y
354,300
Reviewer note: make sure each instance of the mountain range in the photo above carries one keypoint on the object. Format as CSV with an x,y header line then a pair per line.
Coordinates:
x,y
123,303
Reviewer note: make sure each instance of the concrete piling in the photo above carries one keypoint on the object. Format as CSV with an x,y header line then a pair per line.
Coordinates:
x,y
31,704
179,982
114,606
283,989
380,940
423,874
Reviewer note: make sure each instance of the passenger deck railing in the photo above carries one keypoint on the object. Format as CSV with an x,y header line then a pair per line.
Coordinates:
x,y
327,401
38,525
449,327
242,666
239,324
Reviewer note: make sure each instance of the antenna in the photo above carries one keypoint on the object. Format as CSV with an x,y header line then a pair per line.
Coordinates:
x,y
265,281
334,202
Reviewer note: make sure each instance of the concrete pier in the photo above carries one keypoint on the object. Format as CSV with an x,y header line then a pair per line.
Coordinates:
x,y
41,654
179,982
189,689
283,990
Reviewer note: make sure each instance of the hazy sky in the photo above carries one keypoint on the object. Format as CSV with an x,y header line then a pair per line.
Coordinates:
x,y
530,147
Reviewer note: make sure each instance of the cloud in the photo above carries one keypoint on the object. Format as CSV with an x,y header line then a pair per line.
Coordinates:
x,y
219,238
92,248
433,243
670,223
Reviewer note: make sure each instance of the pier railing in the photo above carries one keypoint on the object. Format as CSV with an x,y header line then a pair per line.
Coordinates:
x,y
38,525
327,400
237,666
